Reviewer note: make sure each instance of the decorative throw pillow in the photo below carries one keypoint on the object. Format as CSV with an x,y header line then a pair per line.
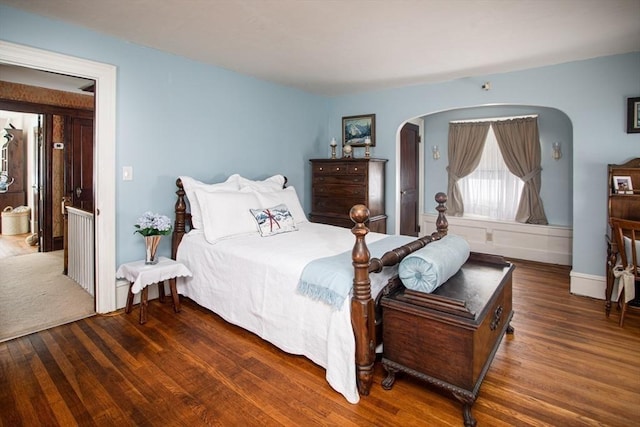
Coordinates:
x,y
274,220
288,197
190,186
429,267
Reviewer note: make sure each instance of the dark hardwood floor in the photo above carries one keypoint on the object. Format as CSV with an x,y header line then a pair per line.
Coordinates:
x,y
566,365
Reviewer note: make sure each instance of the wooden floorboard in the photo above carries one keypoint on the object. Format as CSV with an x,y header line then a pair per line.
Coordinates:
x,y
13,245
566,365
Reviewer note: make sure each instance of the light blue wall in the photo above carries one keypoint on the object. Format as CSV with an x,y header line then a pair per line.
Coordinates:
x,y
592,94
232,123
553,126
176,116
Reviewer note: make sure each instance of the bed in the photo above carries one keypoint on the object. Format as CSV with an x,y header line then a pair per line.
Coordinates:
x,y
253,281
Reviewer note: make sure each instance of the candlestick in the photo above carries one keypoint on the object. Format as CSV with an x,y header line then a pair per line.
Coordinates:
x,y
333,145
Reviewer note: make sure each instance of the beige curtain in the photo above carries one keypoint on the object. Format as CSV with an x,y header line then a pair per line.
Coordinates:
x,y
466,141
520,147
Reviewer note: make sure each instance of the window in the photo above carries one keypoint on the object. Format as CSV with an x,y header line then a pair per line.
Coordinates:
x,y
491,191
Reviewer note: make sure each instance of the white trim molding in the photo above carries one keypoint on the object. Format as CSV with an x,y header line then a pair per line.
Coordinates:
x,y
104,158
541,243
588,285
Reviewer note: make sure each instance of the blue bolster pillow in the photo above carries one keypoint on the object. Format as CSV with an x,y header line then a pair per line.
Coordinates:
x,y
429,267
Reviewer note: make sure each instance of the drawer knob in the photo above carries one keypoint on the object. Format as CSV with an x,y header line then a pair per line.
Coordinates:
x,y
321,169
497,316
355,169
337,169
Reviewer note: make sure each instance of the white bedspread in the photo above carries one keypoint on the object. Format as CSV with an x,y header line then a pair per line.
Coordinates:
x,y
251,281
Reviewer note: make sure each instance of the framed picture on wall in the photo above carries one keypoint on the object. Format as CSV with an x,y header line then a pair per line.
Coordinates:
x,y
633,115
356,129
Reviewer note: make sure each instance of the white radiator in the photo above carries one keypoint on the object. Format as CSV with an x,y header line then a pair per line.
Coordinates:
x,y
81,248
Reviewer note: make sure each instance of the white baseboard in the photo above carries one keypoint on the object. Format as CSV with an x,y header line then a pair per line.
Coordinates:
x,y
541,243
590,286
122,290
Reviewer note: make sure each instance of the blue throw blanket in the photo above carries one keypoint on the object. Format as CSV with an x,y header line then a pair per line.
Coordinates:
x,y
330,279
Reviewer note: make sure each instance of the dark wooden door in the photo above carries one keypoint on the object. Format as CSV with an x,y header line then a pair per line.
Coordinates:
x,y
409,164
80,164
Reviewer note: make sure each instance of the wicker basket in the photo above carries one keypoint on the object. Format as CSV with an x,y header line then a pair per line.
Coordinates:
x,y
15,221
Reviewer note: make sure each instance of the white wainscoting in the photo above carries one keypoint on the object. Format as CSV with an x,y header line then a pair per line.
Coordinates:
x,y
542,243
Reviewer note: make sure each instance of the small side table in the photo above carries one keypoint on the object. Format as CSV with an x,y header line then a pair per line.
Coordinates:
x,y
140,275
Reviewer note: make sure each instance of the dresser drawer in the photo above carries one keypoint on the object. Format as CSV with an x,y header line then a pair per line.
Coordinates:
x,y
336,205
334,190
375,224
358,179
335,168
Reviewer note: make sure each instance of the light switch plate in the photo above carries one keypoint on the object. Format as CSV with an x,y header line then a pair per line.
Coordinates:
x,y
127,173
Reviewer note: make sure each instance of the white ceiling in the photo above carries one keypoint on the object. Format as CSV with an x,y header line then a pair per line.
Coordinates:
x,y
334,47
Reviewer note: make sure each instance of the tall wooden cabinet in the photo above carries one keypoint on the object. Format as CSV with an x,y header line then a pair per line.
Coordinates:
x,y
622,203
339,184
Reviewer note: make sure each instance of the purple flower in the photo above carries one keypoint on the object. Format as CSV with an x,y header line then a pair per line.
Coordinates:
x,y
150,224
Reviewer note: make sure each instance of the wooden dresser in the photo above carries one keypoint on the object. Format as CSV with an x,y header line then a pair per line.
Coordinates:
x,y
339,184
448,338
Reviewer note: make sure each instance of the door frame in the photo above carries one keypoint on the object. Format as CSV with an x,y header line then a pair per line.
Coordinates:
x,y
104,154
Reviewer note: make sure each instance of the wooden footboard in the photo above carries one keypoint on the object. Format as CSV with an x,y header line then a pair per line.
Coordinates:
x,y
362,304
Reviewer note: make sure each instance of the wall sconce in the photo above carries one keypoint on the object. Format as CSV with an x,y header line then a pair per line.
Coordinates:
x,y
333,144
367,147
436,152
556,152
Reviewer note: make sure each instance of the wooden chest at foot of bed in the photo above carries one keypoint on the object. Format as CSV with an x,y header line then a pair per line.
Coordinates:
x,y
448,338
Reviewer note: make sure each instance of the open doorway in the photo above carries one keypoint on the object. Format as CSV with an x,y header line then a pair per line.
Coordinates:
x,y
104,177
42,164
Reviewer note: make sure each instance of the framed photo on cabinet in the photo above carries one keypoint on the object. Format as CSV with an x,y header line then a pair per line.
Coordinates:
x,y
623,184
633,115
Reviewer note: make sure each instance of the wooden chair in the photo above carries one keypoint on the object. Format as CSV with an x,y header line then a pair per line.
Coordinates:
x,y
626,234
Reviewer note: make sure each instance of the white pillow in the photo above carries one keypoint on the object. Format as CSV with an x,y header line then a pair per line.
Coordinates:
x,y
190,185
288,197
274,220
226,214
627,249
274,183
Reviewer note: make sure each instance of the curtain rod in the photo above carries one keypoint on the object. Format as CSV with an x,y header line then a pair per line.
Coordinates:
x,y
492,119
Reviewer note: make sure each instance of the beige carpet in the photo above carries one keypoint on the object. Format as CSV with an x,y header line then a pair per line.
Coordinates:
x,y
35,295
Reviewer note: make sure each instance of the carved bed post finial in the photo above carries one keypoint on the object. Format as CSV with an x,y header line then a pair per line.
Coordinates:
x,y
179,225
362,305
442,225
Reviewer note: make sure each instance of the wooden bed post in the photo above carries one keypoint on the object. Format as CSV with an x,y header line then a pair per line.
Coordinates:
x,y
362,305
442,225
179,225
